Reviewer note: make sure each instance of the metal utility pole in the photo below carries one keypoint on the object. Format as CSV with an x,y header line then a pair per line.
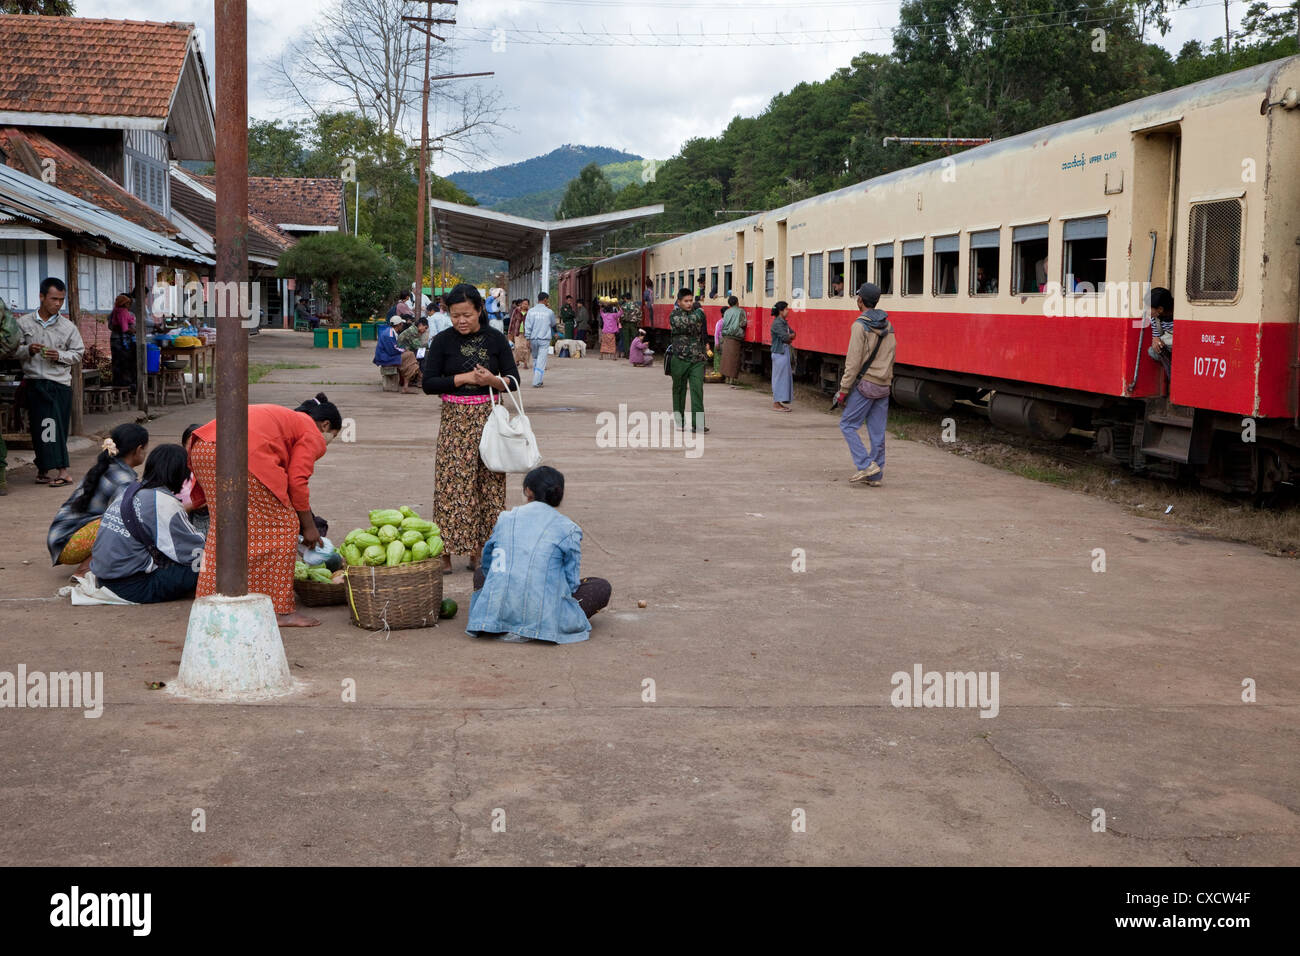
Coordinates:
x,y
230,511
1227,31
423,24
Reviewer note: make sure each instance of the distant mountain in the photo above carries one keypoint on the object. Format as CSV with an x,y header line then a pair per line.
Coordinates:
x,y
542,205
539,174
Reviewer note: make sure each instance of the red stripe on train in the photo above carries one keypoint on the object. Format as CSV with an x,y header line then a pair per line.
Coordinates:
x,y
1223,366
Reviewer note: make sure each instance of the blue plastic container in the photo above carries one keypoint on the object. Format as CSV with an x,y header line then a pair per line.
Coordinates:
x,y
153,360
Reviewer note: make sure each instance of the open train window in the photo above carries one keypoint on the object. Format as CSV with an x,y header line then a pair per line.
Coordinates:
x,y
690,276
1214,251
769,277
797,290
699,284
713,282
837,272
681,283
1084,254
884,269
947,254
749,277
726,280
984,248
1029,259
913,267
816,273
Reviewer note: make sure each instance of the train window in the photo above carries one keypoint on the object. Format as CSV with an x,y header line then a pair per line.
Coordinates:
x,y
769,277
690,280
726,280
913,267
984,262
749,277
1029,259
1214,251
947,254
796,277
816,273
836,263
713,282
699,284
884,268
681,282
1084,254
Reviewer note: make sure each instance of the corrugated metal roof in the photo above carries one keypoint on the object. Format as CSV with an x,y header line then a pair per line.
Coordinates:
x,y
474,230
25,195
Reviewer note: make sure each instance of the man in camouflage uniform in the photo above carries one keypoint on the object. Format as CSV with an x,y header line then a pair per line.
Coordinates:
x,y
567,316
627,325
686,358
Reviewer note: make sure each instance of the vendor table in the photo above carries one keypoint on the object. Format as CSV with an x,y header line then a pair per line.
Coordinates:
x,y
203,362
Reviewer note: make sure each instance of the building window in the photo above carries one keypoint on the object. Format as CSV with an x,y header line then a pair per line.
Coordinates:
x,y
913,267
85,283
749,277
837,271
726,280
884,268
769,278
796,277
1214,251
1029,259
815,275
13,288
984,247
1084,254
947,254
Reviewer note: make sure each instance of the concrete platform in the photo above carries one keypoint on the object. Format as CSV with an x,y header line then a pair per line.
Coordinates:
x,y
1118,690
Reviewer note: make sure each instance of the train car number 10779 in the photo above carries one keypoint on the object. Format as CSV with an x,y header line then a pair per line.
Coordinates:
x,y
1210,367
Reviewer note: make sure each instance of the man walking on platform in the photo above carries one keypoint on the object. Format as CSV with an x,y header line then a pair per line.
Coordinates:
x,y
864,389
539,326
686,359
51,346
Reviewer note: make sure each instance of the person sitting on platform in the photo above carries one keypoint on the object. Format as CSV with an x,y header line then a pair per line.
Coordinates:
x,y
527,585
640,351
147,550
73,530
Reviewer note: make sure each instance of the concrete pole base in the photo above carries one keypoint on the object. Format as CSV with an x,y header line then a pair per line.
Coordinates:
x,y
233,651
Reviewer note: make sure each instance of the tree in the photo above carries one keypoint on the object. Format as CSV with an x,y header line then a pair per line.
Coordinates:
x,y
332,257
590,194
359,55
276,148
48,8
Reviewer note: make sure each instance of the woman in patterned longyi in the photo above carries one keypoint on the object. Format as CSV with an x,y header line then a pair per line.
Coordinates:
x,y
283,448
463,366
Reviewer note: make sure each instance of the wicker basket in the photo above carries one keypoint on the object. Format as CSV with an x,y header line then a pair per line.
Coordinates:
x,y
397,598
320,594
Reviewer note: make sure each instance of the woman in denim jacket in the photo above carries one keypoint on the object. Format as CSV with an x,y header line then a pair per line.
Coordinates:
x,y
527,585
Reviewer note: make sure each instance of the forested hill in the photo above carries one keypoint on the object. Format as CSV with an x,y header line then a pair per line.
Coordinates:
x,y
539,174
959,68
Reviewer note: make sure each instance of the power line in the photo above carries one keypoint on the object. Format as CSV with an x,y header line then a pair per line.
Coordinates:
x,y
992,25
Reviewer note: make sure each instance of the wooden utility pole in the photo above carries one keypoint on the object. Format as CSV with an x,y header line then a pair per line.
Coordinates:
x,y
424,25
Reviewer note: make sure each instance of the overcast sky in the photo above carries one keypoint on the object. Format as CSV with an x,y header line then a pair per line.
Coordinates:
x,y
646,99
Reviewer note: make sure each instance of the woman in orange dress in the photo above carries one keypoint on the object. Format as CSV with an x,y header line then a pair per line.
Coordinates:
x,y
283,447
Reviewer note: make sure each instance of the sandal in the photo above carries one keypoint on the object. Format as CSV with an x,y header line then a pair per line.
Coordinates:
x,y
60,482
42,479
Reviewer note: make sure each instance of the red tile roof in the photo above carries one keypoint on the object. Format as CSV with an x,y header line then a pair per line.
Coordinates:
x,y
294,200
264,238
95,67
26,149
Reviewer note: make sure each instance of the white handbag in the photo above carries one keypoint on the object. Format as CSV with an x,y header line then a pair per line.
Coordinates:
x,y
508,444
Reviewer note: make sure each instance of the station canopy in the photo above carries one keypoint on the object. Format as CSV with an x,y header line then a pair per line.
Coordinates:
x,y
475,231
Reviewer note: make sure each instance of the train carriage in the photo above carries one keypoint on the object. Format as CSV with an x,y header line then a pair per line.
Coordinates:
x,y
1016,274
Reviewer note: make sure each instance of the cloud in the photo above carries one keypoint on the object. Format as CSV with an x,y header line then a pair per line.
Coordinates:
x,y
641,98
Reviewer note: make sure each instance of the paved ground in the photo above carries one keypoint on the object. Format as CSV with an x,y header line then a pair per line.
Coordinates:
x,y
1118,690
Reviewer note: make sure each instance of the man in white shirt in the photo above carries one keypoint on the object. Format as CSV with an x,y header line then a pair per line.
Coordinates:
x,y
539,326
51,347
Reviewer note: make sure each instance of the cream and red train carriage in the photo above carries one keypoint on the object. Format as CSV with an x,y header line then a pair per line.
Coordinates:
x,y
1015,275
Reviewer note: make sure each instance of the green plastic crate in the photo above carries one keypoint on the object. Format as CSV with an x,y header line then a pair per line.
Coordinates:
x,y
352,338
320,338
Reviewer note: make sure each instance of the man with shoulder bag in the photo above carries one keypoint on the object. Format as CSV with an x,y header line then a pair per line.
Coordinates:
x,y
864,389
